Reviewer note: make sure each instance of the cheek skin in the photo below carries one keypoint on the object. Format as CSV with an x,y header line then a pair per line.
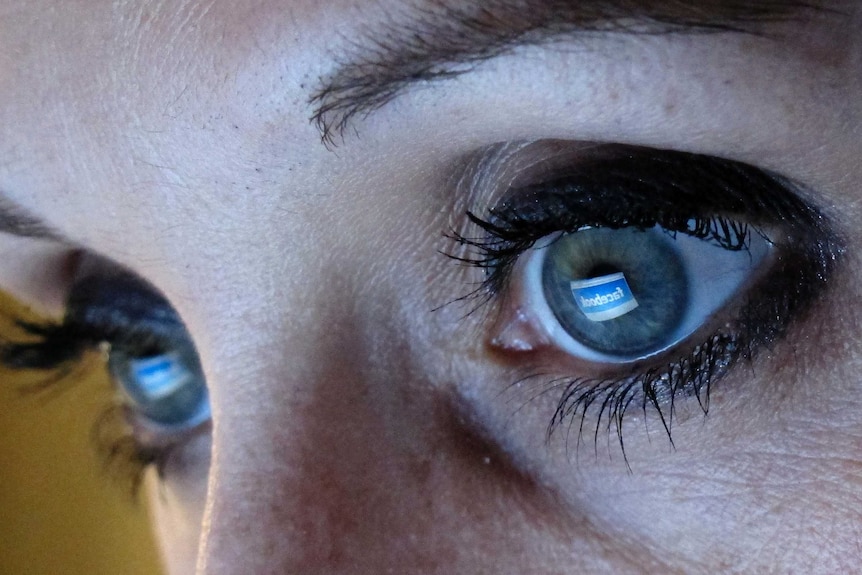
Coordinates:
x,y
347,465
365,475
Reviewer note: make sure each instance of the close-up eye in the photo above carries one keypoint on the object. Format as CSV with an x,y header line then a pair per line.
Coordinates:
x,y
161,395
650,272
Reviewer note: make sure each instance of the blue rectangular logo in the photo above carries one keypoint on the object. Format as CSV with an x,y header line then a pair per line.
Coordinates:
x,y
159,376
604,298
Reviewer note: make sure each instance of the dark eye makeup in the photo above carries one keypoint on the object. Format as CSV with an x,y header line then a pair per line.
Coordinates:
x,y
655,270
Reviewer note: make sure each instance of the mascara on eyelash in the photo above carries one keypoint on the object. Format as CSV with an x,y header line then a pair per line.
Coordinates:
x,y
115,308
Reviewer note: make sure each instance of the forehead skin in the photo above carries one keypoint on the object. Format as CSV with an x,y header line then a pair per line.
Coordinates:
x,y
354,430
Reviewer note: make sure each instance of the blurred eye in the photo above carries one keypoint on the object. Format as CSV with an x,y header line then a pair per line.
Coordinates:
x,y
627,294
151,357
161,391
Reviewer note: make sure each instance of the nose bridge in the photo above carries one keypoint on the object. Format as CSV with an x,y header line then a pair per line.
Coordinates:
x,y
299,442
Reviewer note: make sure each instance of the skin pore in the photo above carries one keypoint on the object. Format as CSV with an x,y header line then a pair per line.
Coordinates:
x,y
288,178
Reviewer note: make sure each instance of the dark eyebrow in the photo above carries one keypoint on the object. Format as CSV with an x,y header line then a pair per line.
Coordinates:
x,y
445,38
16,221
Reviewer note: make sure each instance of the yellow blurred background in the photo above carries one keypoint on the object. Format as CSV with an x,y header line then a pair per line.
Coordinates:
x,y
60,511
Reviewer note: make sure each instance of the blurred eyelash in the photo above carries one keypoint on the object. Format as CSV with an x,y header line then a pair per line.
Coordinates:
x,y
123,457
143,321
60,355
713,199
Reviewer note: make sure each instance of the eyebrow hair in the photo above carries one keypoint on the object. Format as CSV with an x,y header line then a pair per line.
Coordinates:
x,y
445,39
16,221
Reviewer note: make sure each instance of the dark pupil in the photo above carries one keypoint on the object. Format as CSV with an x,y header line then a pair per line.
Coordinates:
x,y
601,269
653,271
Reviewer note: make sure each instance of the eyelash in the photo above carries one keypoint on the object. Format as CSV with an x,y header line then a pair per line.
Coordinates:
x,y
621,187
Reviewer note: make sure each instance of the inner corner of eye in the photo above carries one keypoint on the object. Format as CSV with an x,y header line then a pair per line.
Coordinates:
x,y
616,296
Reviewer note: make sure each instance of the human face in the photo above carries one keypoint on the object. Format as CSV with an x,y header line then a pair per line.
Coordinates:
x,y
363,421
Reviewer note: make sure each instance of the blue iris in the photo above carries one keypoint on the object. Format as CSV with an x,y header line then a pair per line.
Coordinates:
x,y
653,270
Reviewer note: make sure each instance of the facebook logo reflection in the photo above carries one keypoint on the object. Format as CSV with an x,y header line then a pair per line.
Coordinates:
x,y
604,298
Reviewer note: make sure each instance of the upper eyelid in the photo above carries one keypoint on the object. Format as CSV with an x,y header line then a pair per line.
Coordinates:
x,y
713,186
105,303
487,175
706,183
